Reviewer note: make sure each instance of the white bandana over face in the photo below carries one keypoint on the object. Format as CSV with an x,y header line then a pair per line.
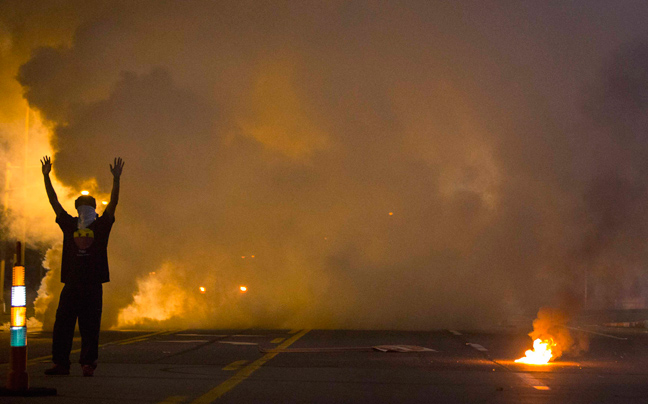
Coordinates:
x,y
87,215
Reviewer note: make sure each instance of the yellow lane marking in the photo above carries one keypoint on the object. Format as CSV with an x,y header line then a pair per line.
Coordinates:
x,y
143,337
244,373
236,365
138,338
173,400
277,340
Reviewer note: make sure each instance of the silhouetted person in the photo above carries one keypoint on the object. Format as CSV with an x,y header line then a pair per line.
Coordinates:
x,y
84,268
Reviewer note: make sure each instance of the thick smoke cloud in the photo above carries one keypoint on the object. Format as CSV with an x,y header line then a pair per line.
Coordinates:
x,y
617,194
395,166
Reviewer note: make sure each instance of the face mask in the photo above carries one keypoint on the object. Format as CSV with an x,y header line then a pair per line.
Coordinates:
x,y
87,215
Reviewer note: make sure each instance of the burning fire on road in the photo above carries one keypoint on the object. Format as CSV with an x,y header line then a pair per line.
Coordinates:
x,y
539,355
552,338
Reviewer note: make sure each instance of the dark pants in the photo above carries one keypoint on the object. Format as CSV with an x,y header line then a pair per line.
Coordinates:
x,y
82,302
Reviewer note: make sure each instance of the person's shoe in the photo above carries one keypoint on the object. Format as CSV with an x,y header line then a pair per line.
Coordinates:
x,y
88,370
58,370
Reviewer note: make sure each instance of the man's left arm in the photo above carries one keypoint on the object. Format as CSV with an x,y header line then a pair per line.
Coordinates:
x,y
116,171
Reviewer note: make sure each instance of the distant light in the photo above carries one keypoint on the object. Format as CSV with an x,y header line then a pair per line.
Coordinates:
x,y
243,289
391,213
104,202
251,256
151,273
243,256
202,289
85,193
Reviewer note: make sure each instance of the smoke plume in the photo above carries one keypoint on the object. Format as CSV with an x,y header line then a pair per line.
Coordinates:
x,y
551,324
354,164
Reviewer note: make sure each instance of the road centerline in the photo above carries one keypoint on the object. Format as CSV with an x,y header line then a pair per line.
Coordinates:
x,y
244,373
40,359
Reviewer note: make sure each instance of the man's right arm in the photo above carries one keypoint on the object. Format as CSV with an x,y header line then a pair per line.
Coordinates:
x,y
51,194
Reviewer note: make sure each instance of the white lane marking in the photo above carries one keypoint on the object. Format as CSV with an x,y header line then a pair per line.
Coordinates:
x,y
532,381
186,341
477,347
402,348
201,335
237,343
455,332
423,349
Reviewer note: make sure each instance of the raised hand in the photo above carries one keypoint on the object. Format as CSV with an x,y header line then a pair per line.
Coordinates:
x,y
46,163
116,170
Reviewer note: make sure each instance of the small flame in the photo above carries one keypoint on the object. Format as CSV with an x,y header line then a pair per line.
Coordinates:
x,y
243,289
104,202
202,289
539,355
85,193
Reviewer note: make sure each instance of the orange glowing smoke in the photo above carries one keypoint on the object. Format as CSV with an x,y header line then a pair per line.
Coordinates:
x,y
540,354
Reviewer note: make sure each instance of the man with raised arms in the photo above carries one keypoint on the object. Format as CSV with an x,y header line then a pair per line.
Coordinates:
x,y
84,268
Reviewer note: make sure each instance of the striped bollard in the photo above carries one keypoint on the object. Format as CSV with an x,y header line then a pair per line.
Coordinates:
x,y
17,379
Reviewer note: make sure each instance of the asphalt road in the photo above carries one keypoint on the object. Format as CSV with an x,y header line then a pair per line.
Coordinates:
x,y
340,366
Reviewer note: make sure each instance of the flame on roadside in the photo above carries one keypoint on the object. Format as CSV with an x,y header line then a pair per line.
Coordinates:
x,y
540,354
552,338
